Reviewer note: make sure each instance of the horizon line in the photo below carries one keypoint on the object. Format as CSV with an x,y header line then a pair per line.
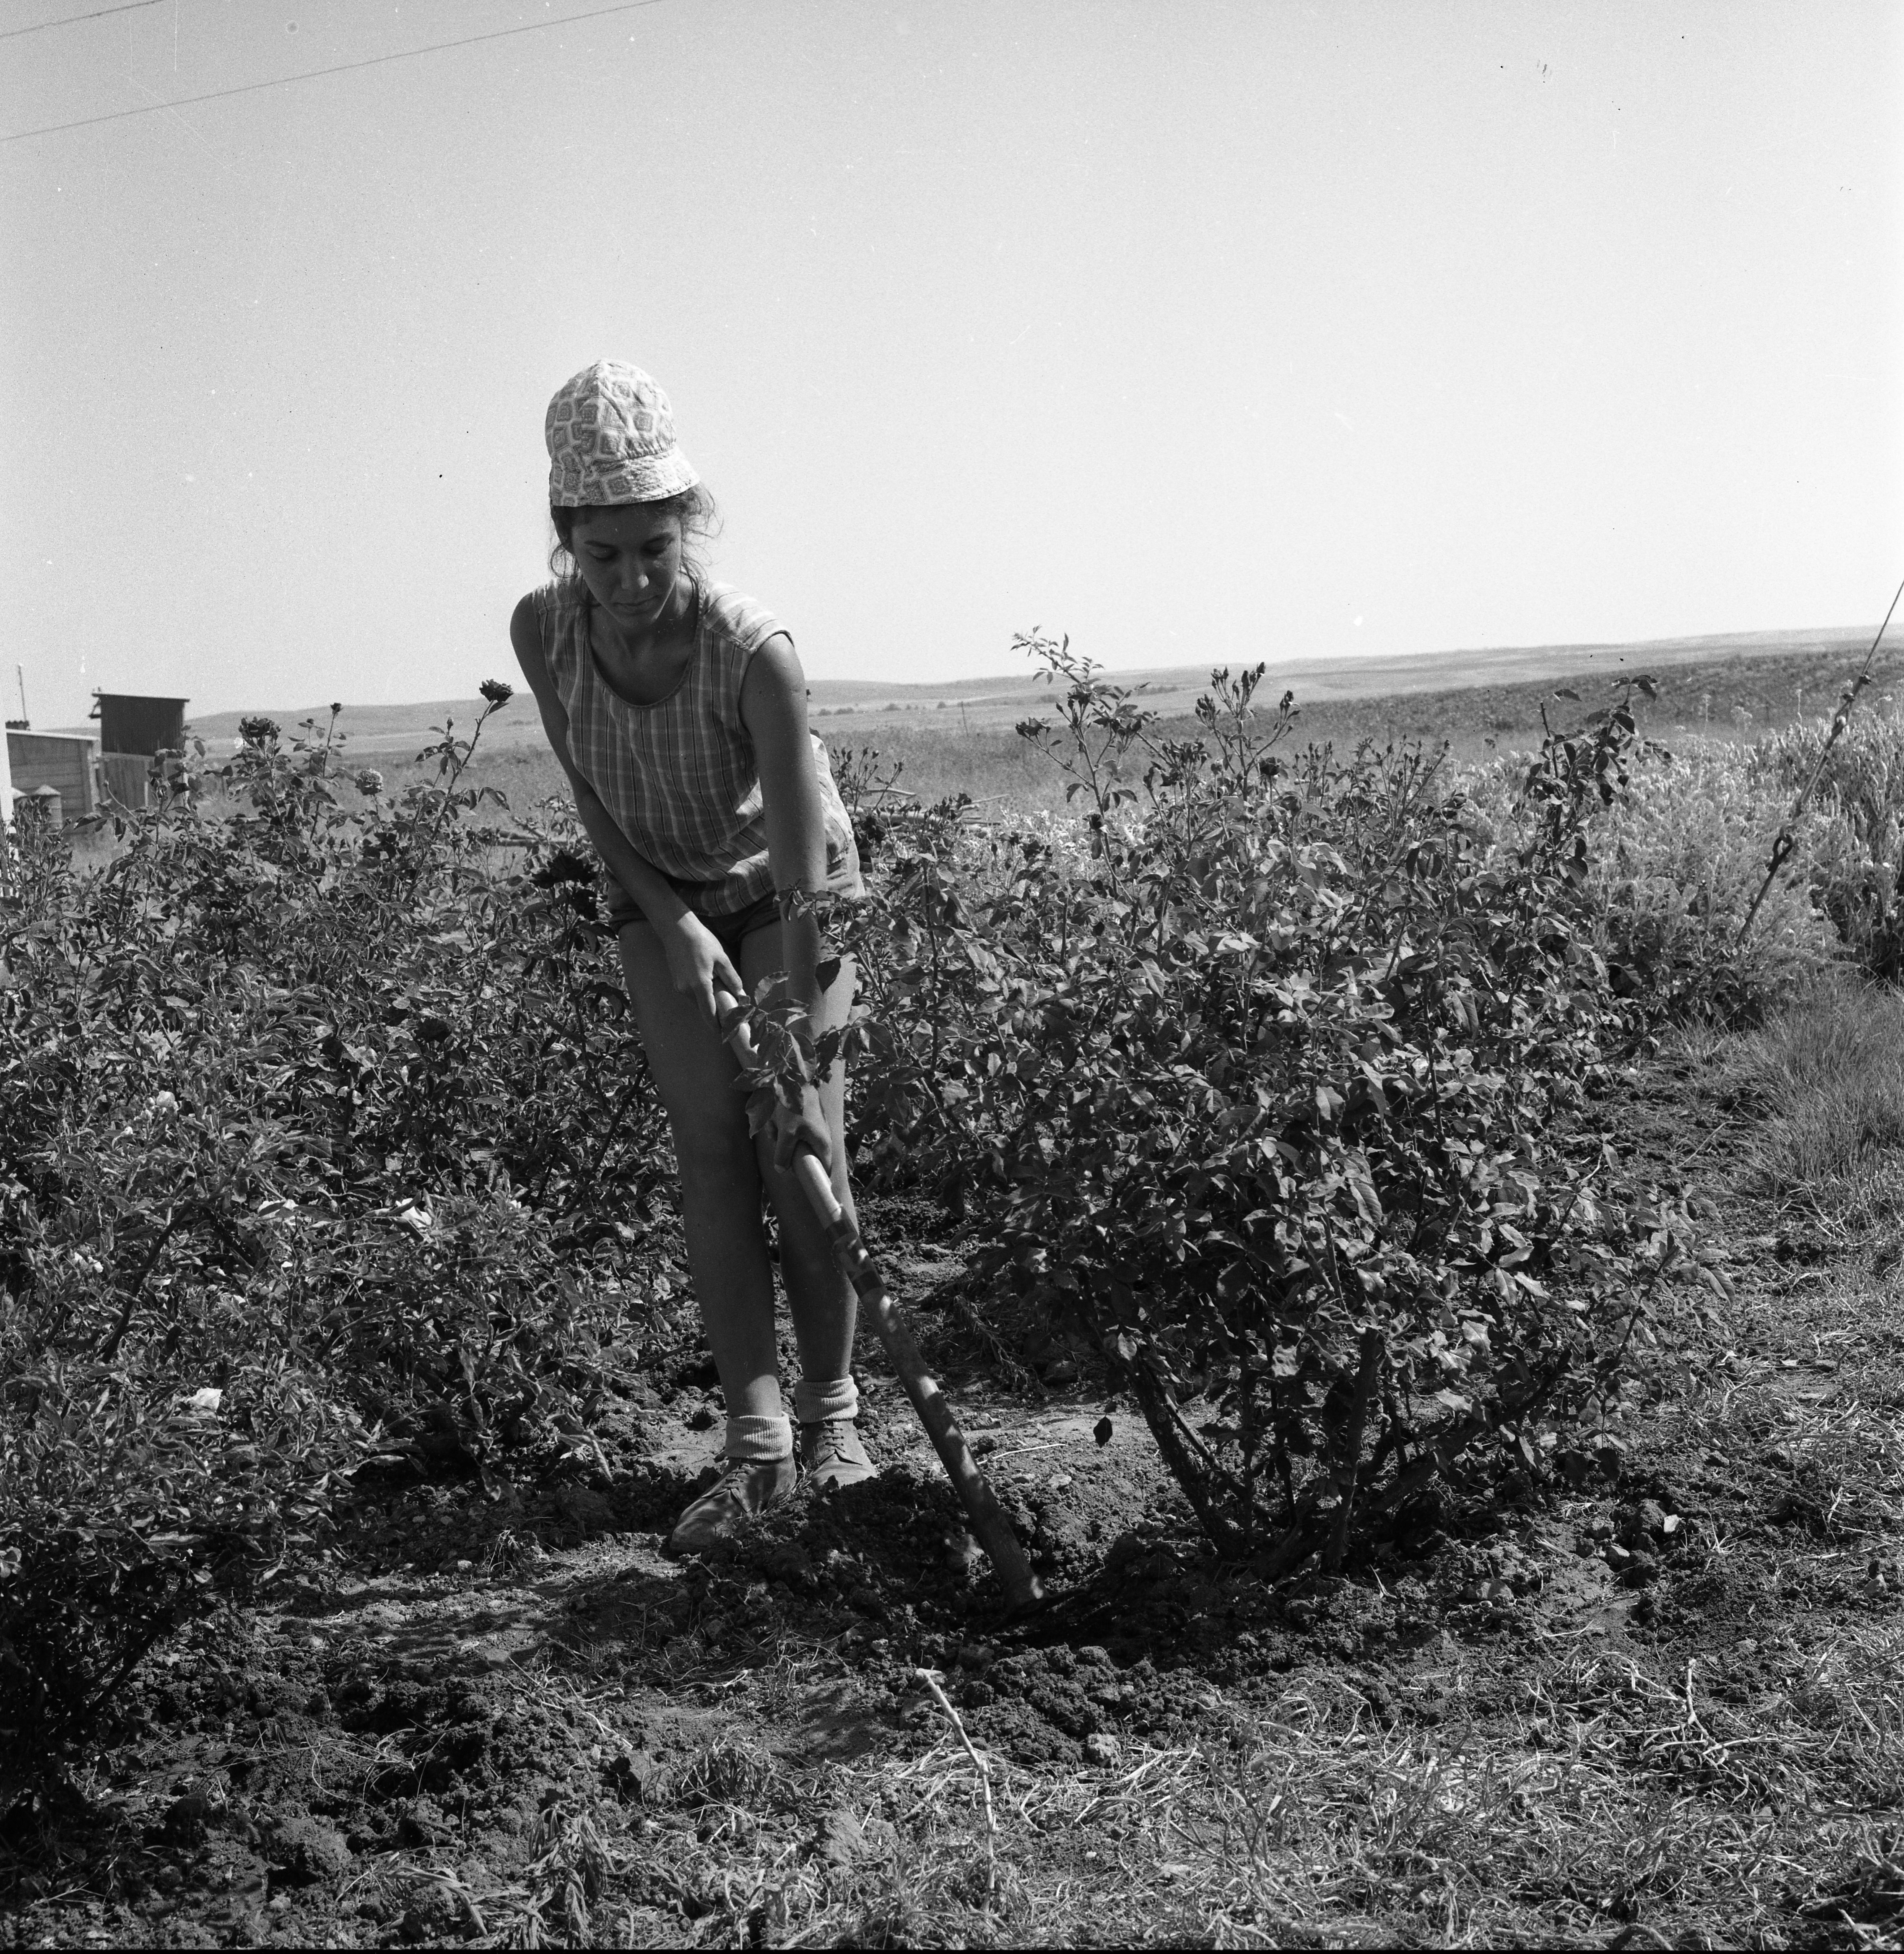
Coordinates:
x,y
1300,661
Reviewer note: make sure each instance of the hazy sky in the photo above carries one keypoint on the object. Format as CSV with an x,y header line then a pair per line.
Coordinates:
x,y
1202,331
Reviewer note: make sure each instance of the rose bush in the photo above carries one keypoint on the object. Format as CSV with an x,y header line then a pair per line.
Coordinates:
x,y
1286,1096
320,1112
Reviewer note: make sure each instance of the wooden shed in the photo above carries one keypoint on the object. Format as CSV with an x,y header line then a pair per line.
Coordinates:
x,y
61,760
126,778
133,727
129,723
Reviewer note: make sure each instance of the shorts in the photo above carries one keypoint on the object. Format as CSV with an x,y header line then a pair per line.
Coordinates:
x,y
624,912
843,879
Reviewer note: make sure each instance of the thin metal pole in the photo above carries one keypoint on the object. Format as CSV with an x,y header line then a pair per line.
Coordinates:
x,y
1787,839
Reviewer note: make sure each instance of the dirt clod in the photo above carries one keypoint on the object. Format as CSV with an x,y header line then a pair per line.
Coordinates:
x,y
842,1839
303,1850
188,1821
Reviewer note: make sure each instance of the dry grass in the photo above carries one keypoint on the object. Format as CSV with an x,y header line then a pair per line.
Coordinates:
x,y
1603,1798
1828,1076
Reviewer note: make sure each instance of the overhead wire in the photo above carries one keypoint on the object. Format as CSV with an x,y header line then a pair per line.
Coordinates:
x,y
74,20
316,74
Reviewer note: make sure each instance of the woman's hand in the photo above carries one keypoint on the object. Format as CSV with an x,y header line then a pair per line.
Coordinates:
x,y
801,1128
698,965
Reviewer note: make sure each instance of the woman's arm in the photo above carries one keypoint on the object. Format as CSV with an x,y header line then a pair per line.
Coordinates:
x,y
695,957
773,708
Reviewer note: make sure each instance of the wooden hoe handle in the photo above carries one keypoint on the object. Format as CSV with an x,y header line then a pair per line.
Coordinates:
x,y
988,1521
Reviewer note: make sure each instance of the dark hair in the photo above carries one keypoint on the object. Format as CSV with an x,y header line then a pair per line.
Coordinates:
x,y
693,509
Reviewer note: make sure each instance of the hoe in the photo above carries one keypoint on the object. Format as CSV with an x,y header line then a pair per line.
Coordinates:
x,y
989,1524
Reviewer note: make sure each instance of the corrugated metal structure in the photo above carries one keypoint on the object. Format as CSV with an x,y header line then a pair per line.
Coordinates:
x,y
131,724
61,760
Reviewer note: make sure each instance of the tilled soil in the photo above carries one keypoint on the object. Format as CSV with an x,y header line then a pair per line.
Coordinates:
x,y
492,1709
366,1761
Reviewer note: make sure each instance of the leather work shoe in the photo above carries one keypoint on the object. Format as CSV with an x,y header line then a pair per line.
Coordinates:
x,y
743,1490
832,1454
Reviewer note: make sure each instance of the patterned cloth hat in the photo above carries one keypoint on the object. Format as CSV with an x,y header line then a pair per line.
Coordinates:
x,y
611,435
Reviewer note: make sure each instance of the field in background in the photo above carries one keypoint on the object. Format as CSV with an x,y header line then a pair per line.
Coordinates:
x,y
959,738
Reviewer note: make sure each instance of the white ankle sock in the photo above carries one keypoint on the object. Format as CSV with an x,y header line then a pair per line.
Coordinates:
x,y
817,1400
757,1439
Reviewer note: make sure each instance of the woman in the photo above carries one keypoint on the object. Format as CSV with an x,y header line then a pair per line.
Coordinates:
x,y
677,709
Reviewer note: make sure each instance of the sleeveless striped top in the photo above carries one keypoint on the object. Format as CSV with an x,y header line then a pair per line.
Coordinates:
x,y
679,776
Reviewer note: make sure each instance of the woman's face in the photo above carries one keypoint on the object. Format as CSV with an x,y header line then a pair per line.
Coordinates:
x,y
630,559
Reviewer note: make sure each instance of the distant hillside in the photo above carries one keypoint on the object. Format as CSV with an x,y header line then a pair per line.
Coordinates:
x,y
999,700
1174,689
1723,689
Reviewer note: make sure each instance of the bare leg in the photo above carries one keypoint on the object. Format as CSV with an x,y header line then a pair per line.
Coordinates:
x,y
720,1181
819,1298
